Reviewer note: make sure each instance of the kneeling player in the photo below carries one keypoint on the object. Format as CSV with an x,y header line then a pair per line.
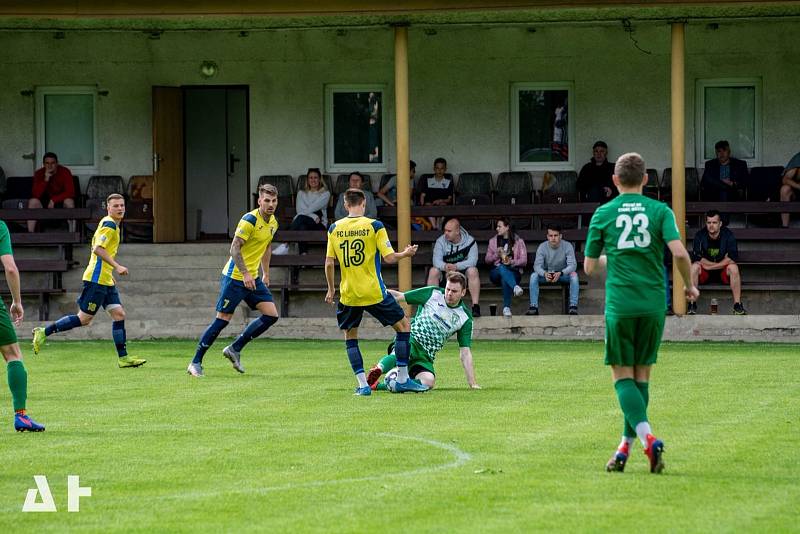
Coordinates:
x,y
440,314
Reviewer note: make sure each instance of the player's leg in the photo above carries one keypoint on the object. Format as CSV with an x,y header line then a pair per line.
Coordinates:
x,y
389,361
474,285
434,275
259,325
426,378
230,295
117,313
89,302
732,276
33,203
650,330
17,384
349,319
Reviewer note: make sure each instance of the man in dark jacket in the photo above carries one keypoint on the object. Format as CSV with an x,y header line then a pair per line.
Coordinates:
x,y
714,253
723,175
594,180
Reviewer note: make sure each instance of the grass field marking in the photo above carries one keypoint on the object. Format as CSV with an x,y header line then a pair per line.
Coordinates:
x,y
459,458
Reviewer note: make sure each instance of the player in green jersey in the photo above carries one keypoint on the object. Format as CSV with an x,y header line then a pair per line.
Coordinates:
x,y
440,314
633,230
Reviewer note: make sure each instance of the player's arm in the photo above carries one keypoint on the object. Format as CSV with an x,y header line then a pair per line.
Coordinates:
x,y
103,254
399,296
330,272
592,265
681,259
469,370
238,260
265,259
394,257
12,279
593,261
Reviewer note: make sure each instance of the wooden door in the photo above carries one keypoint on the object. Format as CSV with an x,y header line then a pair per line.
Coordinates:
x,y
168,186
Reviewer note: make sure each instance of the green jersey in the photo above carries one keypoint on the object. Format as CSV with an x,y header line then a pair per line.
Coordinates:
x,y
435,321
633,229
5,240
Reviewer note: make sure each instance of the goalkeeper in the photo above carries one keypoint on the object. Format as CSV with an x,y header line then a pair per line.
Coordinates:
x,y
440,314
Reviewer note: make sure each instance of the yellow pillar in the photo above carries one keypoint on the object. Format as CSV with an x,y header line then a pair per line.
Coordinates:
x,y
403,152
678,106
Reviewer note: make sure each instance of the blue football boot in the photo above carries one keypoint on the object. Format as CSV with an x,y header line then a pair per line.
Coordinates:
x,y
409,385
24,423
366,391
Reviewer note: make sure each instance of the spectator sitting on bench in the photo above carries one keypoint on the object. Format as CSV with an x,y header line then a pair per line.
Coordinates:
x,y
437,190
53,187
722,175
387,195
555,263
357,182
312,209
594,180
508,254
456,250
790,186
714,253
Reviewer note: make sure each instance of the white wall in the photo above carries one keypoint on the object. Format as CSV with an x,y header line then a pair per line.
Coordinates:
x,y
460,81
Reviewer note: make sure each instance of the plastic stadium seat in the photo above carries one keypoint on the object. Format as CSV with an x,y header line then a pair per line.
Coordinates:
x,y
18,191
139,207
560,188
283,182
474,183
97,190
652,189
514,183
692,184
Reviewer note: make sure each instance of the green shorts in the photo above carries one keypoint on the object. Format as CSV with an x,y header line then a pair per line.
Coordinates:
x,y
419,361
633,341
8,335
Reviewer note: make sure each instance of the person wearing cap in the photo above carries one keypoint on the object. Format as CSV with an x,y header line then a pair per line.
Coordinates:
x,y
594,180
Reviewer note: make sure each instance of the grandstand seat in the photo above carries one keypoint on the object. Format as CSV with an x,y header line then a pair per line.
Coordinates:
x,y
139,209
764,184
283,182
474,183
97,191
560,187
652,188
692,184
343,182
515,188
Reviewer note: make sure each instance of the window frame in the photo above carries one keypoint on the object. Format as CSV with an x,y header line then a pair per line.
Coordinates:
x,y
332,166
515,163
47,90
700,131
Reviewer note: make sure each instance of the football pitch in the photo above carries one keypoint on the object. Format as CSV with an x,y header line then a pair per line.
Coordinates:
x,y
286,447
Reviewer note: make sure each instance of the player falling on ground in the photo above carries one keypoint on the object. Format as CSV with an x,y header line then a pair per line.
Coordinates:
x,y
633,229
17,375
359,244
240,282
440,314
99,289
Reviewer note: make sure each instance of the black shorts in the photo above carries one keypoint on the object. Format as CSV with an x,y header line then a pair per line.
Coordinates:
x,y
96,295
232,292
387,312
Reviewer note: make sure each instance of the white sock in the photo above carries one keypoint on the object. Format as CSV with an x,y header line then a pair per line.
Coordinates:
x,y
626,441
362,379
642,431
402,374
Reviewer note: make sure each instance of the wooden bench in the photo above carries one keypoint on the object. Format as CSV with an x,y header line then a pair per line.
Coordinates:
x,y
53,267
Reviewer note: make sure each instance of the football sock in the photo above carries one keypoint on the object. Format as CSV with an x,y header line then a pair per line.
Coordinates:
x,y
208,338
632,403
362,379
401,350
68,322
626,443
643,430
118,332
254,329
18,383
644,389
356,361
387,362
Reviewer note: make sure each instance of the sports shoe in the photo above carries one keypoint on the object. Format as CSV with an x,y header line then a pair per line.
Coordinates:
x,y
281,250
127,361
691,309
39,338
738,309
374,376
517,291
533,310
617,462
654,452
506,312
363,392
409,385
573,310
234,356
476,310
196,370
24,423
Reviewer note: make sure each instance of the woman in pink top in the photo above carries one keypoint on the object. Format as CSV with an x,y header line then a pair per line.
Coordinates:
x,y
508,254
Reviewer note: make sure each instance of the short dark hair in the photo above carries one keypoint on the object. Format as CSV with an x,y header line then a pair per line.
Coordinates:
x,y
354,197
412,164
630,169
719,145
440,160
49,155
554,227
456,277
713,213
599,143
356,173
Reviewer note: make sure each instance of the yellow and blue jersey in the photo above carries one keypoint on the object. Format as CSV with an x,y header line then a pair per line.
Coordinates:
x,y
257,234
107,236
359,243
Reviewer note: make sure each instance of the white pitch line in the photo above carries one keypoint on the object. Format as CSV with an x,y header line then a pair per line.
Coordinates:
x,y
459,458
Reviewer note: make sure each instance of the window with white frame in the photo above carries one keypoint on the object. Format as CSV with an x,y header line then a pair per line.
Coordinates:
x,y
730,110
355,127
66,123
542,131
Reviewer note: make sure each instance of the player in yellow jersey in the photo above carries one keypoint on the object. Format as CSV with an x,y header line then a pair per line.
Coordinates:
x,y
359,244
99,289
240,282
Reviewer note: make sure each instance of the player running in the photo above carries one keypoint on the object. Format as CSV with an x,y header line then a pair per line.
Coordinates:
x,y
240,282
359,244
440,314
99,289
633,229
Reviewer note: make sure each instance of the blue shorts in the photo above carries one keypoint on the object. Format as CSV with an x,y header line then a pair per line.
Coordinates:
x,y
232,292
96,295
387,311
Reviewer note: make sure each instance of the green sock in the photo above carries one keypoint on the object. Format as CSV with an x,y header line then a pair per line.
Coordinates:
x,y
631,402
18,383
381,386
388,362
644,389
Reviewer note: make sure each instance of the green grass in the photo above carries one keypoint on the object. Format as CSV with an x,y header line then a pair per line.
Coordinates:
x,y
286,447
